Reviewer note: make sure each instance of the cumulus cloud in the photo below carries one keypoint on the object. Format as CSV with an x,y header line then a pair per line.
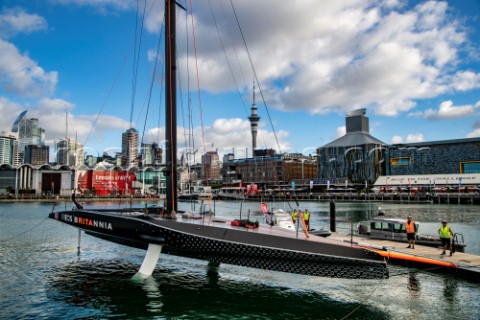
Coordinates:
x,y
447,110
340,132
322,57
16,20
21,75
397,139
350,54
103,6
415,137
51,115
226,136
411,138
476,129
9,111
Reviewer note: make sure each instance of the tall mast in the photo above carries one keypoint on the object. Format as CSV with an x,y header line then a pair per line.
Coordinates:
x,y
170,106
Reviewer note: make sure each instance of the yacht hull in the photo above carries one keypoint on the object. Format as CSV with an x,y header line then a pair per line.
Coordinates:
x,y
268,248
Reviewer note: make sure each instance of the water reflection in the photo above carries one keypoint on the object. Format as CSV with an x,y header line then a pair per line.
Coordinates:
x,y
106,288
413,285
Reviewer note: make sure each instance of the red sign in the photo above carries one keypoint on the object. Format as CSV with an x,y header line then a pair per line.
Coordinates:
x,y
106,182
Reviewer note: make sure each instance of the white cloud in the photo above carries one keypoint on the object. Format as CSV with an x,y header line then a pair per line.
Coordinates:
x,y
474,134
226,136
103,6
476,127
9,111
411,138
415,137
340,132
16,20
448,111
397,139
349,55
323,57
21,75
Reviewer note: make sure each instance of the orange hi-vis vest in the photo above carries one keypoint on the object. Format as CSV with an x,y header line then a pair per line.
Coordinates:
x,y
410,226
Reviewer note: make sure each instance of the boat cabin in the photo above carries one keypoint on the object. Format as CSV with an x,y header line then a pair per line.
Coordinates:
x,y
384,228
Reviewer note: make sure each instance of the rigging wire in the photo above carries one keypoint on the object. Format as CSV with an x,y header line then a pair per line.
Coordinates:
x,y
255,75
198,86
136,56
226,57
151,84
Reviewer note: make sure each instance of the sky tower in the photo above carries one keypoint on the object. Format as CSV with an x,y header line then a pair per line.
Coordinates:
x,y
254,118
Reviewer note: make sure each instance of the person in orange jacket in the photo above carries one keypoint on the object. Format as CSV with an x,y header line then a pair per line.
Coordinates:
x,y
411,232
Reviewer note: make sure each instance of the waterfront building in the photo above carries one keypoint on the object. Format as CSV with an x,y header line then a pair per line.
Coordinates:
x,y
356,157
26,179
36,155
210,166
8,148
130,148
434,157
277,171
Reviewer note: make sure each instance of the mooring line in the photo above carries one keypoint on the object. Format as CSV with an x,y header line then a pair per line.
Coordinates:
x,y
22,233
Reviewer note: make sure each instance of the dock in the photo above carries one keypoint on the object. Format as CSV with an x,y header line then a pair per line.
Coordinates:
x,y
462,265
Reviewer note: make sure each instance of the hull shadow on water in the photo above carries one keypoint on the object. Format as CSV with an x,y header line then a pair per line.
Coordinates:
x,y
104,288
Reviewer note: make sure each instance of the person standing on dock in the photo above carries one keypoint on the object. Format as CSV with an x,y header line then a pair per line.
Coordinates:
x,y
411,232
446,233
306,217
294,216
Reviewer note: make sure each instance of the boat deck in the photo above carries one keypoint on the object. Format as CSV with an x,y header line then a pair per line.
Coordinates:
x,y
464,265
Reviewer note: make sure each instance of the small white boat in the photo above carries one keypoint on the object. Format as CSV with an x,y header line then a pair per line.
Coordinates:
x,y
381,227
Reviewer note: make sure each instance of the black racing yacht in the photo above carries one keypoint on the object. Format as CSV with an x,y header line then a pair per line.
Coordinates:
x,y
217,240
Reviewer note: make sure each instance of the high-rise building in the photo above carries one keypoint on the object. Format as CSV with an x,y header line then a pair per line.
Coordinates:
x,y
8,148
70,152
151,154
36,155
28,133
210,166
130,148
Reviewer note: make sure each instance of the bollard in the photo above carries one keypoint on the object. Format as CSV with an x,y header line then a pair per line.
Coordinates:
x,y
332,217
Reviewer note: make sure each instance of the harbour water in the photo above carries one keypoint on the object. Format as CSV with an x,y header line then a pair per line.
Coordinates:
x,y
43,277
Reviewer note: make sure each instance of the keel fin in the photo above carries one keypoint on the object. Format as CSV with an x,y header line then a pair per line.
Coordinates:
x,y
150,261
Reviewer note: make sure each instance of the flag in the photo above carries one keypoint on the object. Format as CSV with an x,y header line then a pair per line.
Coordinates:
x,y
264,207
311,184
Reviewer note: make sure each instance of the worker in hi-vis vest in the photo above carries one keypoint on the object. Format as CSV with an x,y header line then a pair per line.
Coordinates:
x,y
410,226
446,233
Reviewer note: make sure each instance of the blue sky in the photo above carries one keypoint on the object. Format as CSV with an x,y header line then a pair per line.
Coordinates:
x,y
413,64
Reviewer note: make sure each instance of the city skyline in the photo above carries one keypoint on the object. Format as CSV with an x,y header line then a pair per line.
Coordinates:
x,y
413,66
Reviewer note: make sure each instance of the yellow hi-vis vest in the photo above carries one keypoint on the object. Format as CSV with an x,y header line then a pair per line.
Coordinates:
x,y
445,232
306,215
294,215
